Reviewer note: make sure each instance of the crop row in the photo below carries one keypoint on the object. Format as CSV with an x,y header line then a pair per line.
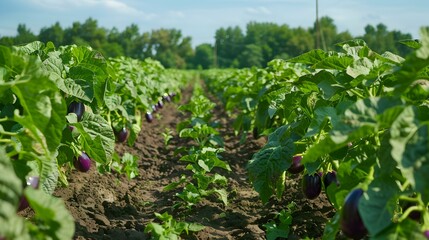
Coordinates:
x,y
202,159
63,109
356,117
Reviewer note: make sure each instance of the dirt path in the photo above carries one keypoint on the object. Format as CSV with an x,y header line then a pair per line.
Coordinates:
x,y
112,207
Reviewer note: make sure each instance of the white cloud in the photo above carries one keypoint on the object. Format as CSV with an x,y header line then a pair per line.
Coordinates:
x,y
113,5
178,14
258,10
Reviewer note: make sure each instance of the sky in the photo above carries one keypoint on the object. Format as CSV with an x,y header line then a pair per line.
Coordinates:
x,y
201,18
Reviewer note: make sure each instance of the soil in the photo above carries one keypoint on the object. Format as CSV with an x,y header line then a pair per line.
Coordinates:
x,y
111,206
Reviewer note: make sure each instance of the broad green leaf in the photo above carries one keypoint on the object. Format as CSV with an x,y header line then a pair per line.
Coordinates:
x,y
223,195
54,219
44,107
310,58
334,62
415,44
410,148
267,165
405,230
97,137
378,204
323,116
12,226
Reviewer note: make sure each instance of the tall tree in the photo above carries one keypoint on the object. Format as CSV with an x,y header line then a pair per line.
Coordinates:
x,y
24,35
204,57
54,33
229,43
170,48
251,56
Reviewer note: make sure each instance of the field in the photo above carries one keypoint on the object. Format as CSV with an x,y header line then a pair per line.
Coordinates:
x,y
113,207
326,145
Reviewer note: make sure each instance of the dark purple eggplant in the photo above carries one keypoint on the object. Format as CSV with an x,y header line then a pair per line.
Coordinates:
x,y
154,108
122,135
296,166
160,104
330,177
311,185
78,108
166,98
82,162
351,222
149,117
31,182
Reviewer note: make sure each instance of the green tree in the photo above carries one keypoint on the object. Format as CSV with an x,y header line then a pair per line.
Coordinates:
x,y
229,43
380,39
170,48
204,57
128,40
54,33
252,56
24,35
301,41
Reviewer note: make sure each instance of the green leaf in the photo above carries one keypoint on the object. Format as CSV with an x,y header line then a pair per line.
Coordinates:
x,y
410,150
12,226
310,58
54,219
405,230
378,204
223,195
97,137
334,62
322,115
268,165
415,44
332,227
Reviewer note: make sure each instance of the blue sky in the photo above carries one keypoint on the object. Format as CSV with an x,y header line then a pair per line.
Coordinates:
x,y
200,18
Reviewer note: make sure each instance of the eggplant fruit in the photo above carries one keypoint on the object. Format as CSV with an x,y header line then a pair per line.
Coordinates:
x,y
149,117
78,108
33,182
296,166
351,222
122,135
311,185
82,162
330,177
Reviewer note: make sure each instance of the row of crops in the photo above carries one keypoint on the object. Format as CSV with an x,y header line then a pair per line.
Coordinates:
x,y
353,123
355,118
62,109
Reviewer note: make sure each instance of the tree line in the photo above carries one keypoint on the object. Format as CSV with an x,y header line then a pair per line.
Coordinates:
x,y
233,47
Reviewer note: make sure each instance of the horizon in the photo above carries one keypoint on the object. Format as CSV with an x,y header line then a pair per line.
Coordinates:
x,y
200,20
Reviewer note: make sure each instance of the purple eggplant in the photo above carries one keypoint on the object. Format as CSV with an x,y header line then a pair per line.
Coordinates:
x,y
31,182
82,162
160,104
149,117
330,177
296,166
166,98
122,135
311,185
351,222
154,108
78,108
